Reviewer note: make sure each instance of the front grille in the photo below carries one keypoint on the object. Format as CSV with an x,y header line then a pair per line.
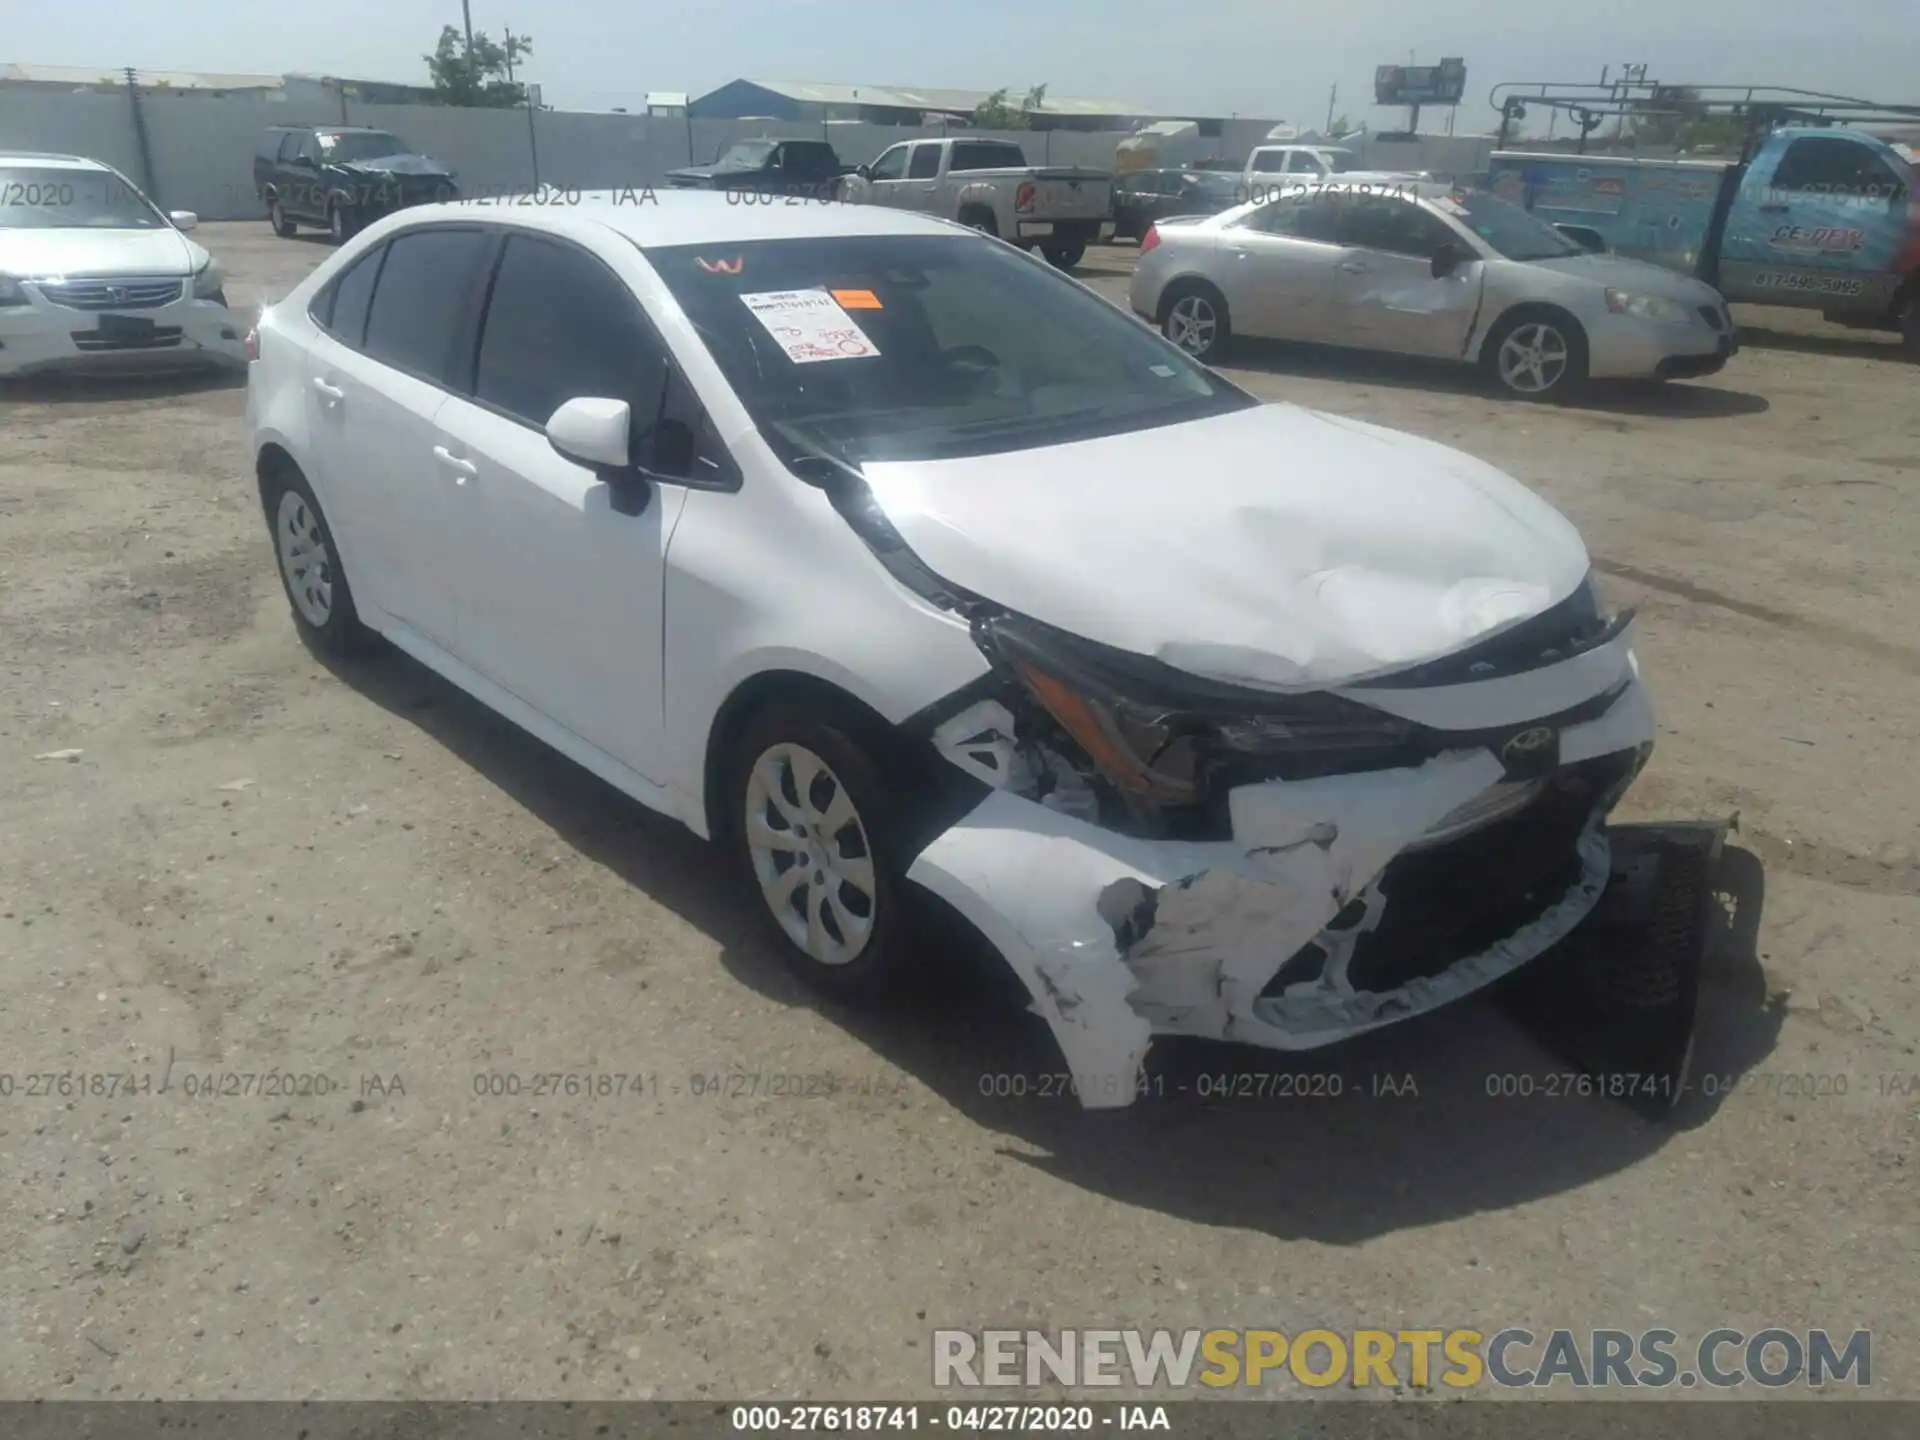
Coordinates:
x,y
163,337
1454,900
131,293
1714,316
1567,629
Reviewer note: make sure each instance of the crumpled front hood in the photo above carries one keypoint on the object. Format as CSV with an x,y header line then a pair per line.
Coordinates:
x,y
1273,547
85,251
398,165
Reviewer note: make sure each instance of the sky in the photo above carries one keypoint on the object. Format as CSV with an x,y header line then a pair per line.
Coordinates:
x,y
1216,57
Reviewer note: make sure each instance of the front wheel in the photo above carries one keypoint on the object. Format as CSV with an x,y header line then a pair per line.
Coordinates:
x,y
340,222
1910,321
277,217
1537,357
814,830
1194,317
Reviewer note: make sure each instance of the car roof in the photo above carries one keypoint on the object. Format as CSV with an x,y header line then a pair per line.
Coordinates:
x,y
51,159
654,218
329,129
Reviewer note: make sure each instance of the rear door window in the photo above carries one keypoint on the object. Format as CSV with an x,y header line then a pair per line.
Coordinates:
x,y
424,303
341,308
925,163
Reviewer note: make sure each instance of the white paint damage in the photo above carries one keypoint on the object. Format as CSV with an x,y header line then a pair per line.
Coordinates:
x,y
1119,938
1307,551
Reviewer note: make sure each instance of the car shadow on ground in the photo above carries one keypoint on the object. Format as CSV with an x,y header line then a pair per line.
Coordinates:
x,y
1410,1126
1673,401
1856,346
79,389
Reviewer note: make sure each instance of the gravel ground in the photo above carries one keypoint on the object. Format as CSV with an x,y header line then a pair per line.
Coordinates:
x,y
255,865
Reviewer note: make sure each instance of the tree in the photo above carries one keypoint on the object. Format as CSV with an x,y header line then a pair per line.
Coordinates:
x,y
1674,117
477,77
995,113
1341,126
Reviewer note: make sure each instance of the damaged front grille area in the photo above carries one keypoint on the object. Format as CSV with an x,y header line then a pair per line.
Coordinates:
x,y
1574,626
1433,907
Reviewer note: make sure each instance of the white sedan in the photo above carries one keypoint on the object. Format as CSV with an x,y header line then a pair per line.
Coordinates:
x,y
94,277
894,561
1418,267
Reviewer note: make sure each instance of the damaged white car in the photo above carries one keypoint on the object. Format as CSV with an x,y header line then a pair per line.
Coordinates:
x,y
888,557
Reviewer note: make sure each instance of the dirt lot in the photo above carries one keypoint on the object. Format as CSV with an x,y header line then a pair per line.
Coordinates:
x,y
258,865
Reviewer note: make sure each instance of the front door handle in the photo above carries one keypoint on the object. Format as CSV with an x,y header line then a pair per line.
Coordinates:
x,y
463,470
328,392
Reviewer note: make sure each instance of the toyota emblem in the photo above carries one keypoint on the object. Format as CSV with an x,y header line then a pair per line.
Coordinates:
x,y
1526,743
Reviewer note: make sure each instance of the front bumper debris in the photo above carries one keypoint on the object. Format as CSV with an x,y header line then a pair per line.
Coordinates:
x,y
1118,939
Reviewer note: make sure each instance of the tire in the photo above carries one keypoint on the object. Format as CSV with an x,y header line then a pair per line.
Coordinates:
x,y
1193,314
277,217
310,571
975,217
1909,316
847,937
340,221
1065,257
1557,345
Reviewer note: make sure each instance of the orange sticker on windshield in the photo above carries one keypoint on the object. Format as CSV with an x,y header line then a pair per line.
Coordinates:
x,y
856,299
721,267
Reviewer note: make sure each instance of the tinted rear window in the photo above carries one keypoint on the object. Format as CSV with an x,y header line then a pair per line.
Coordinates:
x,y
986,155
422,301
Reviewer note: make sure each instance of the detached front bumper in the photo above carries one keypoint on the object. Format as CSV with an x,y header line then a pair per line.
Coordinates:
x,y
1288,936
42,337
1625,347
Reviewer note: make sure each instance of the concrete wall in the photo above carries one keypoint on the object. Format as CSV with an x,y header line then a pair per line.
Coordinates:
x,y
203,152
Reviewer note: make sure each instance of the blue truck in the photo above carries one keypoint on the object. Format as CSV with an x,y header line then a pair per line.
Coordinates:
x,y
1819,216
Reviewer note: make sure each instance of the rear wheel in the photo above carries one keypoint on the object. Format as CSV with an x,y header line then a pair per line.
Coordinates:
x,y
976,217
1537,355
277,217
340,221
1193,315
815,829
1065,256
309,564
1909,314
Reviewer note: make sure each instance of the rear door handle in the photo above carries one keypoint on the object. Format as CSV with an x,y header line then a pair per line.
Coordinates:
x,y
464,470
330,392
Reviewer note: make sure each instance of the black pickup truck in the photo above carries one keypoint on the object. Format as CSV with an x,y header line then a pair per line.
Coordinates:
x,y
768,167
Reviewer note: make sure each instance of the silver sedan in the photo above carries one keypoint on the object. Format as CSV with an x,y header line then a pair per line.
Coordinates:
x,y
1423,268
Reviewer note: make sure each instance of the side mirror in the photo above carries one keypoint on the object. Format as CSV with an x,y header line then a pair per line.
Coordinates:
x,y
1449,258
183,219
593,431
1585,237
865,172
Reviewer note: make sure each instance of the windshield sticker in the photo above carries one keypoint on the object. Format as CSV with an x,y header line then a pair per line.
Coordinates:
x,y
810,326
1451,205
1165,372
857,299
722,267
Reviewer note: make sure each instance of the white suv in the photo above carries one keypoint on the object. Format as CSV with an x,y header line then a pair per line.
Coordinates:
x,y
895,561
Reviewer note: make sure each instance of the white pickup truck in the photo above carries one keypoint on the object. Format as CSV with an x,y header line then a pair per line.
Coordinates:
x,y
988,184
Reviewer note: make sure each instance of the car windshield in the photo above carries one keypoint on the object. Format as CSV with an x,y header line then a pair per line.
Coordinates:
x,y
747,155
50,198
1507,228
922,347
361,145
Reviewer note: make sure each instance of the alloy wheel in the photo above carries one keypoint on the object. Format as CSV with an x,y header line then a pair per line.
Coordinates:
x,y
810,854
304,559
1192,324
1533,359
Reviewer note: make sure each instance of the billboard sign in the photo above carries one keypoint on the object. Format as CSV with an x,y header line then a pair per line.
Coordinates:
x,y
1442,84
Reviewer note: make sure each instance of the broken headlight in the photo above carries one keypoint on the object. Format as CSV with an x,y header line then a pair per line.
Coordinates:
x,y
1163,737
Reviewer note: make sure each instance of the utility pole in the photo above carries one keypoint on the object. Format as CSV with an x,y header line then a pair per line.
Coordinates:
x,y
466,16
509,35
